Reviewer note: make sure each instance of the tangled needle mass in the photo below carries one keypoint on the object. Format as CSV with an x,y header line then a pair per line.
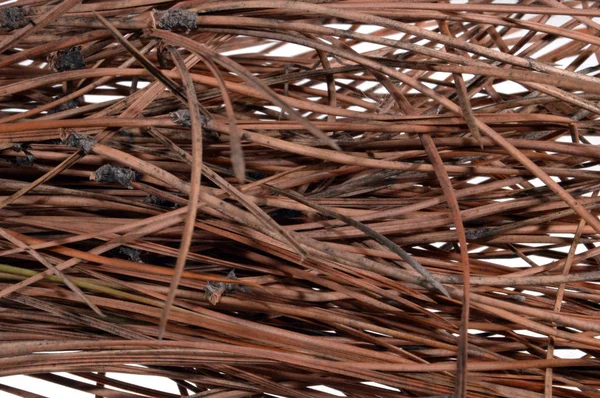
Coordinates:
x,y
300,198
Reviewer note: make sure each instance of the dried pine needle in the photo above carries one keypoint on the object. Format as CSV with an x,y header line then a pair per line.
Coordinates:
x,y
389,199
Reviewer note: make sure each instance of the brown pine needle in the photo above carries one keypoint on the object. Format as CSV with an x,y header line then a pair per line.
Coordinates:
x,y
397,198
194,194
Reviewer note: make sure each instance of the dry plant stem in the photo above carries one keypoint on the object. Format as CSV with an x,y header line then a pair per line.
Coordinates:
x,y
558,304
231,190
194,194
43,179
376,236
400,26
498,139
447,246
75,94
462,93
448,189
147,226
188,85
38,24
6,235
98,250
170,84
237,155
250,79
183,187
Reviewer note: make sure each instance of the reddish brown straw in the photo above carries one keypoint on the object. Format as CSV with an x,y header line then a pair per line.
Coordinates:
x,y
390,199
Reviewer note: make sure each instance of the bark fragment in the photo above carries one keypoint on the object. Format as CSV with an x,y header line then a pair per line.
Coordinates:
x,y
121,175
175,19
12,18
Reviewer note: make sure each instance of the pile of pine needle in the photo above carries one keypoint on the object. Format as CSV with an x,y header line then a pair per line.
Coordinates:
x,y
250,198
